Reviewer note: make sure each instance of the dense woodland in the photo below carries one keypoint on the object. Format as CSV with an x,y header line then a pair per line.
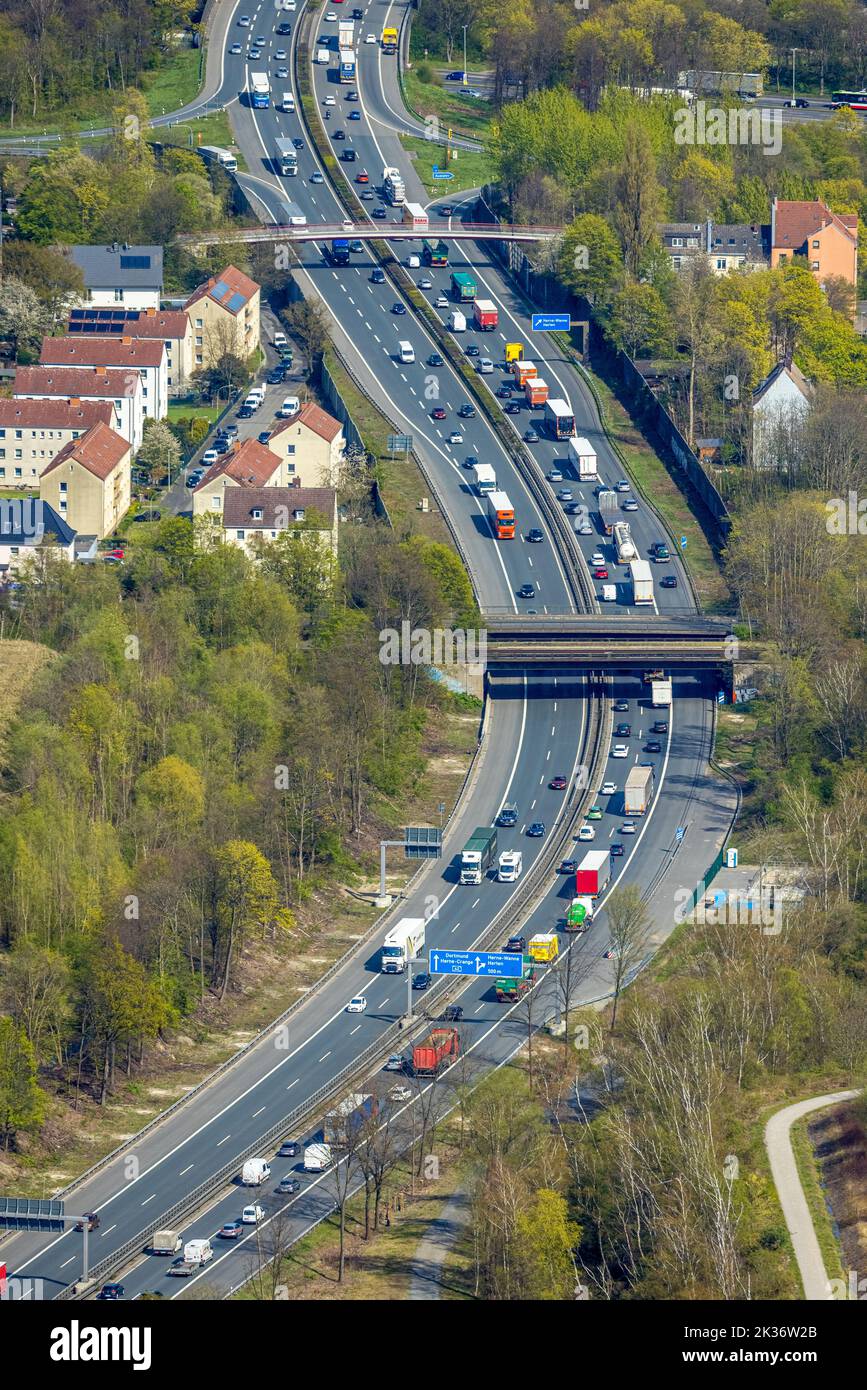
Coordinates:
x,y
215,741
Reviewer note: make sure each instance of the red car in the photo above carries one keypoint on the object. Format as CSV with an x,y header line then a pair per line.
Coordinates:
x,y
438,413
363,177
558,784
600,573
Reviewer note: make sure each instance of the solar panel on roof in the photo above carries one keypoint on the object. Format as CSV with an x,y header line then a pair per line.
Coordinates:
x,y
220,289
236,302
135,262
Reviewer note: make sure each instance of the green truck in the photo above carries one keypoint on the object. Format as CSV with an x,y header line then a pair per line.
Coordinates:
x,y
513,987
463,286
478,854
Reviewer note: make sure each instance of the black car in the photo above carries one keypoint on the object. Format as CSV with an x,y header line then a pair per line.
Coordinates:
x,y
379,214
669,582
284,28
446,210
513,408
504,393
398,308
357,13
472,349
421,981
149,514
527,591
801,102
653,746
111,1292
623,731
452,1013
467,412
245,413
516,944
377,276
471,461
660,726
535,536
222,446
536,830
338,134
275,376
508,815
90,1219
287,1186
435,360
299,144
348,156
568,866
621,706
616,851
290,1148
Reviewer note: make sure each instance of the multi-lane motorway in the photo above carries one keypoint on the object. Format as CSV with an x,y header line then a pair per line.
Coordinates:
x,y
535,725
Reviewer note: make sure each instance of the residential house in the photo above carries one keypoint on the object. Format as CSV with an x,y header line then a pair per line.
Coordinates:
x,y
122,389
225,316
88,484
131,276
780,403
247,465
173,326
263,513
32,433
29,528
311,445
146,356
829,240
725,246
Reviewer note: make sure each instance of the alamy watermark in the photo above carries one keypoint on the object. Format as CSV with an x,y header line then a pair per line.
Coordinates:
x,y
847,516
23,518
701,124
438,646
747,909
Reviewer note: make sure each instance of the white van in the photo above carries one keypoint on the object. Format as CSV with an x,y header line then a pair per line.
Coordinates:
x,y
317,1157
406,352
280,340
198,1252
291,406
413,263
255,1171
323,56
457,322
609,593
288,102
258,392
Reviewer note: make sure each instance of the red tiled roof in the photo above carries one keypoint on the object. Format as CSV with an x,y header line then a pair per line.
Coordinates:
x,y
75,381
94,351
249,465
317,420
794,222
99,451
54,414
234,281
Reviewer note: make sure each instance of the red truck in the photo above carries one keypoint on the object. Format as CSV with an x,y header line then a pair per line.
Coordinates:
x,y
436,1052
485,315
593,873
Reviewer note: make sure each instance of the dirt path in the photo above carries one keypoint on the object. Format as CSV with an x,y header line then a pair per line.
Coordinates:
x,y
430,1256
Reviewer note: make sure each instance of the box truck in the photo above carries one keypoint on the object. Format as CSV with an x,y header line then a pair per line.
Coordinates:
x,y
393,186
660,694
501,515
463,286
535,391
608,508
346,65
341,1123
440,1047
402,943
638,792
485,479
522,370
415,216
478,854
582,456
260,89
559,419
165,1243
642,581
485,315
510,865
593,873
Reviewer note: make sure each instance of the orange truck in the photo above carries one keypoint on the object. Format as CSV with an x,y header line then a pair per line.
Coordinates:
x,y
522,370
536,391
501,515
438,1050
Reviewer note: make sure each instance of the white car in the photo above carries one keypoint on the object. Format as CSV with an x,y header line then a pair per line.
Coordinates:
x,y
371,38
251,1216
623,486
620,751
331,17
209,456
235,49
608,789
554,475
279,340
244,22
583,527
425,284
456,437
442,301
628,827
330,101
280,57
400,1093
291,406
597,558
587,833
486,366
630,505
357,1005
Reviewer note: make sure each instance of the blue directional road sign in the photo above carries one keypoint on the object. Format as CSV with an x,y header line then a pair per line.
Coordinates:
x,y
683,542
441,173
550,323
680,832
499,963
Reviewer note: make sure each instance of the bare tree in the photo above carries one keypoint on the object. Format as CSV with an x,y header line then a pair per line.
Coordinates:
x,y
377,1156
629,928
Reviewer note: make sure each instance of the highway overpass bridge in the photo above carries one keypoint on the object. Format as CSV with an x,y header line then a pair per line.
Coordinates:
x,y
598,642
374,231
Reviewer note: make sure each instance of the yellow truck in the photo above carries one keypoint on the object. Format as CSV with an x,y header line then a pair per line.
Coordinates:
x,y
544,947
514,352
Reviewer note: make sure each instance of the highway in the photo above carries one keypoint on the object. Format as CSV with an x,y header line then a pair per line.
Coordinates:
x,y
534,728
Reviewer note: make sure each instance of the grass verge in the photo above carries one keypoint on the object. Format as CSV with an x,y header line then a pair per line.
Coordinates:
x,y
205,130
175,83
462,115
470,170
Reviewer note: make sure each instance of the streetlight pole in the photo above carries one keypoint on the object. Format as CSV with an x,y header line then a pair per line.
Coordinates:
x,y
465,55
794,51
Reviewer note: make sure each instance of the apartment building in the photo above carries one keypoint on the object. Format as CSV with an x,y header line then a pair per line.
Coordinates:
x,y
224,313
146,356
32,433
172,326
88,484
252,515
828,240
311,446
122,389
247,465
121,275
725,246
29,529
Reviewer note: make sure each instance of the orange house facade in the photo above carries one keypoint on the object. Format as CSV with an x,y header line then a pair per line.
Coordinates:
x,y
828,240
